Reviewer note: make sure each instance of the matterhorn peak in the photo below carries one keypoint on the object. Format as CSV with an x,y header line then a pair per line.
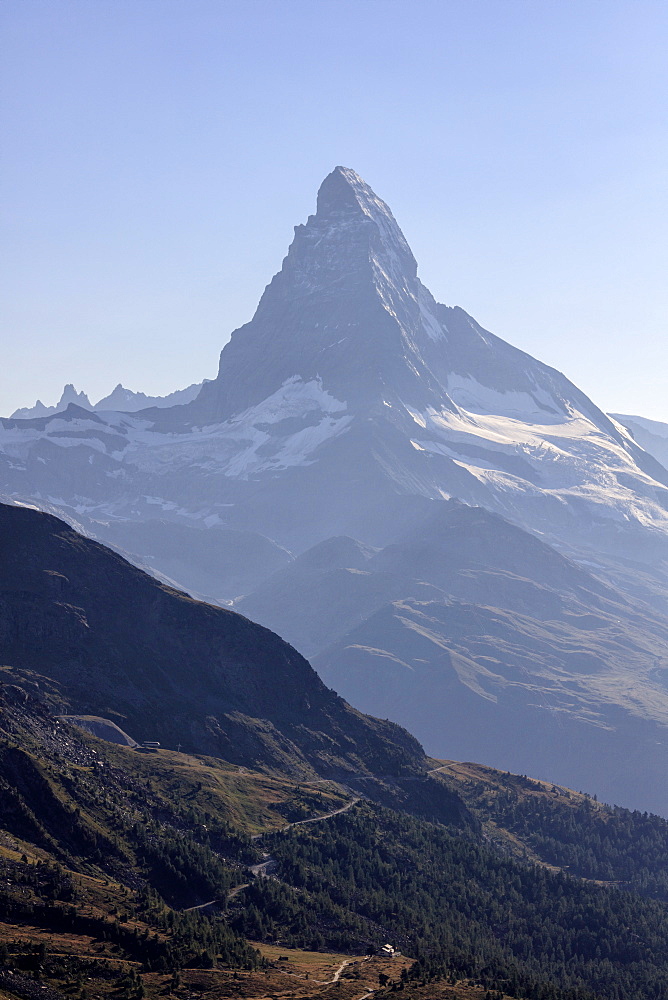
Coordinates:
x,y
344,190
351,247
344,197
343,309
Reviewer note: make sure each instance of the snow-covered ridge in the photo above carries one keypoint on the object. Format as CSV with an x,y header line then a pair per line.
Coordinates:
x,y
548,458
283,431
657,427
345,327
652,435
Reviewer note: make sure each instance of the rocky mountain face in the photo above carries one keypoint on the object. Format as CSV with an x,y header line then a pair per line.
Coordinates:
x,y
349,404
118,644
344,417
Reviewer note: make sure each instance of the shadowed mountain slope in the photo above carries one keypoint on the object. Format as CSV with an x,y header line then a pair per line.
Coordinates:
x,y
123,646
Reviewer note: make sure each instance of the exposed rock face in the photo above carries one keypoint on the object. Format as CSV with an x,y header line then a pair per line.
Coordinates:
x,y
348,405
343,310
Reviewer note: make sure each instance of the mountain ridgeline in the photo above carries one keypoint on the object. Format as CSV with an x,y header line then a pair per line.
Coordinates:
x,y
116,643
459,536
119,398
348,404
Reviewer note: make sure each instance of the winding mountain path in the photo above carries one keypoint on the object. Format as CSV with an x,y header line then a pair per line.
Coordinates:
x,y
316,819
261,870
337,974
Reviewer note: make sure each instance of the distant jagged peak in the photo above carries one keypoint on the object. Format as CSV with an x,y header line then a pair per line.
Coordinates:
x,y
38,410
68,395
120,398
128,400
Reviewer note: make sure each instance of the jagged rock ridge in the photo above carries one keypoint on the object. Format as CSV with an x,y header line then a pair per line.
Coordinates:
x,y
119,399
348,405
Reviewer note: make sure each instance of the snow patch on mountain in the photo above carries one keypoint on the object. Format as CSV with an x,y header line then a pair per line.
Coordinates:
x,y
537,406
434,329
282,431
518,454
19,436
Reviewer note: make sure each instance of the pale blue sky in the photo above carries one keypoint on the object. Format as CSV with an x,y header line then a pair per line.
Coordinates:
x,y
157,154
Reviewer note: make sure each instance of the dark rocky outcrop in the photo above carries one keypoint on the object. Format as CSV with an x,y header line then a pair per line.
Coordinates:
x,y
122,645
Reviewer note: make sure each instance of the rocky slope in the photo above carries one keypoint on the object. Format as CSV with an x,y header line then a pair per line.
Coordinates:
x,y
118,644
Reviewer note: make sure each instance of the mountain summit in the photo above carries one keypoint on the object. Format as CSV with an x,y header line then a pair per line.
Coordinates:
x,y
346,308
344,200
396,400
348,405
343,195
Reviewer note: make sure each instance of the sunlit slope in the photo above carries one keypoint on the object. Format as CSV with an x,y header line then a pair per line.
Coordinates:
x,y
488,644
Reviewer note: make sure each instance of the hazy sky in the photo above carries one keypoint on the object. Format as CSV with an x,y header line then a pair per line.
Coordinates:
x,y
157,154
